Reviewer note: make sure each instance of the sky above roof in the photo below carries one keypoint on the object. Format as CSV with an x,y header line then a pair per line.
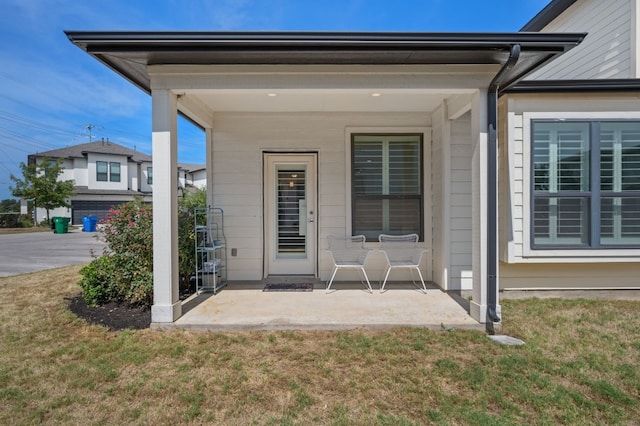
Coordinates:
x,y
54,95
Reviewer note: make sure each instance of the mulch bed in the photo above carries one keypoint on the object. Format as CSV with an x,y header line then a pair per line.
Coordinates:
x,y
114,316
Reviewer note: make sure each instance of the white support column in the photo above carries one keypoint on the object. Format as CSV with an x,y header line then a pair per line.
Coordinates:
x,y
166,303
209,156
479,132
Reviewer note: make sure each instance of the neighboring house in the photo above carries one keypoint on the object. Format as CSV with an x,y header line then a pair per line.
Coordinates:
x,y
106,174
191,176
369,133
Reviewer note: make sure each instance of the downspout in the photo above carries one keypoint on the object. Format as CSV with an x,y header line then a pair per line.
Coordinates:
x,y
492,192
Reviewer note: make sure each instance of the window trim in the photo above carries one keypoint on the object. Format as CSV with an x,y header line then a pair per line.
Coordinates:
x,y
106,173
560,254
421,197
111,174
149,175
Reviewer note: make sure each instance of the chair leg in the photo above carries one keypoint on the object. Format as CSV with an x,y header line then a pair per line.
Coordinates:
x,y
367,279
388,270
335,269
421,279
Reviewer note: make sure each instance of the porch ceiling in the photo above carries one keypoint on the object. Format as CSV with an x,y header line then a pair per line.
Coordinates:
x,y
288,100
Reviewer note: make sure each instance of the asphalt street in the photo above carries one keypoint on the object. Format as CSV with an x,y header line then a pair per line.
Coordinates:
x,y
37,251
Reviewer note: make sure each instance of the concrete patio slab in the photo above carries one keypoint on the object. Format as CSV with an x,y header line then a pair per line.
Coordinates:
x,y
244,306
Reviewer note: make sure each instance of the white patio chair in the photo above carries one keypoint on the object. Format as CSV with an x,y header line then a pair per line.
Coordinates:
x,y
402,251
348,253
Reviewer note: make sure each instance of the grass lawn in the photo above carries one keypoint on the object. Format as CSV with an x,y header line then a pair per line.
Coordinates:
x,y
580,365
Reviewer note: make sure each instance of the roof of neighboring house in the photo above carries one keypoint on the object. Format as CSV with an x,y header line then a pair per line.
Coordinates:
x,y
191,167
100,147
131,53
575,86
83,190
548,14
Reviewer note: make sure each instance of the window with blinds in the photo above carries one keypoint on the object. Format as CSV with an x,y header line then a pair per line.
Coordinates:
x,y
386,179
102,171
114,172
585,184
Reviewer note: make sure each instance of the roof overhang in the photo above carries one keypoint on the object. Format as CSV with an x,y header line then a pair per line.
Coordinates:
x,y
631,85
548,14
131,53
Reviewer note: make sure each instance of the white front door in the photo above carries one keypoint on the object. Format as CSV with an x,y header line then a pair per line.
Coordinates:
x,y
290,214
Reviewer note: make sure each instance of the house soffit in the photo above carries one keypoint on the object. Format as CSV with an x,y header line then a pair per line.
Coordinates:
x,y
136,55
319,88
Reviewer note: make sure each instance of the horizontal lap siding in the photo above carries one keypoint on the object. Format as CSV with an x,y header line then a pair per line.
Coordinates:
x,y
606,52
460,187
437,156
239,140
569,276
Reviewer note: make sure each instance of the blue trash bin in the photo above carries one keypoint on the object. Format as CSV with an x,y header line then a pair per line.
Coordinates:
x,y
89,223
93,223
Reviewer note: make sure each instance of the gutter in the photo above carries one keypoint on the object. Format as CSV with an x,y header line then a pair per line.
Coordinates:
x,y
492,193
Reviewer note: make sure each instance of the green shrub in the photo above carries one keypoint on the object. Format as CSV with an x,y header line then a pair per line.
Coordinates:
x,y
186,234
98,283
25,221
125,270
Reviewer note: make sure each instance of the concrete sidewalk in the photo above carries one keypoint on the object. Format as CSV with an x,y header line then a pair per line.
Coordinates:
x,y
37,251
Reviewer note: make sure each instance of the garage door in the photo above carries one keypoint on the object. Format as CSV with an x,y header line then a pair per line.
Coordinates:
x,y
79,209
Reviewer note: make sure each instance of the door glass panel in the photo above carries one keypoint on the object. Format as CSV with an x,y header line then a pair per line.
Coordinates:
x,y
291,212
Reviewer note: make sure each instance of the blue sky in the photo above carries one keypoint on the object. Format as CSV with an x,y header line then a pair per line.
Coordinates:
x,y
50,90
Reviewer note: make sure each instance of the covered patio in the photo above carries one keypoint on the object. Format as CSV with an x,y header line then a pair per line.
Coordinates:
x,y
243,305
306,103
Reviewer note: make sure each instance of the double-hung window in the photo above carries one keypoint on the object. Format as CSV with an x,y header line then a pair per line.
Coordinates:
x,y
149,175
102,171
386,185
585,184
114,171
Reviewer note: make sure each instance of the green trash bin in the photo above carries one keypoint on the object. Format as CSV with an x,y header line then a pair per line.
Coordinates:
x,y
61,224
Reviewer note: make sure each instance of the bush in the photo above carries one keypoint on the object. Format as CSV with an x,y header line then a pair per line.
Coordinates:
x,y
186,234
25,221
98,283
125,270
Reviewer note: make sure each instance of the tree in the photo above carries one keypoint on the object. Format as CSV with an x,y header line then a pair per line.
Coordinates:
x,y
41,186
9,213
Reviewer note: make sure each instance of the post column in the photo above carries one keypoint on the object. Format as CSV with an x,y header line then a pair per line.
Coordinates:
x,y
166,303
479,169
209,154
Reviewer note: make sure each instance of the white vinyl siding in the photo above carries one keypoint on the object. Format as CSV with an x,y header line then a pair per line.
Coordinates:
x,y
451,177
608,49
239,140
460,233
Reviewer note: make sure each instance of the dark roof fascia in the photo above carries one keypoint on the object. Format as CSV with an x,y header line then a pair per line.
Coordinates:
x,y
205,39
576,86
128,53
548,14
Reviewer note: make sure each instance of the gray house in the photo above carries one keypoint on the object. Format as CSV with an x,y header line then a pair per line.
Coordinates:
x,y
107,174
